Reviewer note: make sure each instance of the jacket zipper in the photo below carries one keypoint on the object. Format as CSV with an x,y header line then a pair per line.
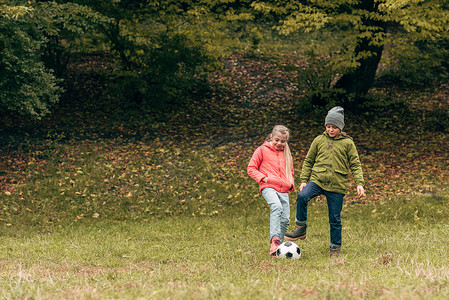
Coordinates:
x,y
330,147
332,162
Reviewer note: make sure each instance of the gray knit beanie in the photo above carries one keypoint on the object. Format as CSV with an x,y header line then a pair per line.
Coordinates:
x,y
336,116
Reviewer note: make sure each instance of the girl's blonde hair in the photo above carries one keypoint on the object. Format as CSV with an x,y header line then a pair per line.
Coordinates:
x,y
287,154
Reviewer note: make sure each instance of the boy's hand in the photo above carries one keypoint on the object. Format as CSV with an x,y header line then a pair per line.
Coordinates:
x,y
360,191
303,185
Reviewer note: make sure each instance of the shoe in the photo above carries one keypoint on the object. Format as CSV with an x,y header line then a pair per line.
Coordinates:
x,y
298,233
275,242
334,251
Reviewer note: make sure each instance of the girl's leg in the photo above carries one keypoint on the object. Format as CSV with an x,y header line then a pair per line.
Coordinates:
x,y
335,205
272,199
285,216
309,192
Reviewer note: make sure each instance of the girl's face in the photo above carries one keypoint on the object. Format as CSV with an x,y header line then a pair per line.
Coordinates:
x,y
278,140
332,130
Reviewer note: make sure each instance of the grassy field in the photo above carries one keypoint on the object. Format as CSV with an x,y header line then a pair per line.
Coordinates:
x,y
93,208
391,250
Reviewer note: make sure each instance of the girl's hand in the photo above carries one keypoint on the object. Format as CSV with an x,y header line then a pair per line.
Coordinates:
x,y
360,191
303,185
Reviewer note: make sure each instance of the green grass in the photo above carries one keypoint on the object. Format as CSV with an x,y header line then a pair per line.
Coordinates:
x,y
226,256
167,210
163,218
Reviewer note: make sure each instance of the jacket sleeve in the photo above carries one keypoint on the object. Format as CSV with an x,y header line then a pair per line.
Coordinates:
x,y
309,161
254,164
354,165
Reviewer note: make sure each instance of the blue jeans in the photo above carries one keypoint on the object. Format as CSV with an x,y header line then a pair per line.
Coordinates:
x,y
280,212
334,205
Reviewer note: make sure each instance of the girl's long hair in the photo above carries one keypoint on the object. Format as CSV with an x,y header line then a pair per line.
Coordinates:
x,y
287,153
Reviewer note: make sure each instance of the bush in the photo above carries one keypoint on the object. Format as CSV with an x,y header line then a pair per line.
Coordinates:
x,y
173,71
436,120
371,106
168,74
419,65
319,101
27,87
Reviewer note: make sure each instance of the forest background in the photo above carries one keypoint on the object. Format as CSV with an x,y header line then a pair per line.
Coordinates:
x,y
148,111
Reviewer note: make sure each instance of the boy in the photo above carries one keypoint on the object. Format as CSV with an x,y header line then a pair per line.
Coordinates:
x,y
326,167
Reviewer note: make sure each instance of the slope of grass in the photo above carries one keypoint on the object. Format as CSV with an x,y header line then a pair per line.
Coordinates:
x,y
70,167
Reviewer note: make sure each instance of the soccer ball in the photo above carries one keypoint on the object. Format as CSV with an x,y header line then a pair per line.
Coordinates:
x,y
288,250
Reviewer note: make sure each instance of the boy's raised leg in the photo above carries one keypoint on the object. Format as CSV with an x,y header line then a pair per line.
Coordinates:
x,y
310,191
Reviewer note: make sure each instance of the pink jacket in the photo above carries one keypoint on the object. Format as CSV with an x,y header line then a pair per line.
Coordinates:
x,y
269,162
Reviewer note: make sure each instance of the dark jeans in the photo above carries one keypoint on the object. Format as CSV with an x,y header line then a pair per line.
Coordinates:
x,y
334,204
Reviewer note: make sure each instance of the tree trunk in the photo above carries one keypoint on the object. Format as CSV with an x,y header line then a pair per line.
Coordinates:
x,y
359,80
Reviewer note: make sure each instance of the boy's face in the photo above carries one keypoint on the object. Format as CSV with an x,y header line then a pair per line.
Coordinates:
x,y
278,140
332,130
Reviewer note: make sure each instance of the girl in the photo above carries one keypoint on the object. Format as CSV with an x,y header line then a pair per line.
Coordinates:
x,y
327,164
272,167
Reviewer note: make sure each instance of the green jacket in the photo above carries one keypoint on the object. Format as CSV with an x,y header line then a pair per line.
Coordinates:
x,y
329,161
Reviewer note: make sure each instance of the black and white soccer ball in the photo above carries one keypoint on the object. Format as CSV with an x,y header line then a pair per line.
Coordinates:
x,y
288,250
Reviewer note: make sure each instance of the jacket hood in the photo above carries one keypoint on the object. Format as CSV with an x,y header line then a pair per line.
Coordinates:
x,y
340,136
271,147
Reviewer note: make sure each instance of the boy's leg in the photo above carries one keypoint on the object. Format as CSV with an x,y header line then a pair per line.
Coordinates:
x,y
335,205
310,191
